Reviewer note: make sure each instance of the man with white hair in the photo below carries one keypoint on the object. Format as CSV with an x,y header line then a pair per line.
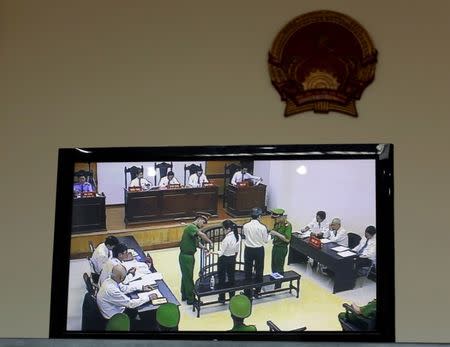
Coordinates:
x,y
336,233
112,300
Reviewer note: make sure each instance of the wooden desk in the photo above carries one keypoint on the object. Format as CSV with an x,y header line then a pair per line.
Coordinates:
x,y
88,214
169,204
239,201
343,268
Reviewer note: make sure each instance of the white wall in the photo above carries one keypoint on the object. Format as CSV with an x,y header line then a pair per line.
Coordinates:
x,y
111,179
157,73
341,188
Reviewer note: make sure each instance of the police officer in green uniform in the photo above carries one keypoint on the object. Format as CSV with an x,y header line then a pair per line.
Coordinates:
x,y
188,247
241,308
281,233
168,317
368,311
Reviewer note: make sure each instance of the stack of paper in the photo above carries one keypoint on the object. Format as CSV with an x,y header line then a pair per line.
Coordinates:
x,y
339,248
346,254
325,241
146,294
144,280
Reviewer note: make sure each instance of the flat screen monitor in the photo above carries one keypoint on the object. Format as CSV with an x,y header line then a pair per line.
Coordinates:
x,y
278,242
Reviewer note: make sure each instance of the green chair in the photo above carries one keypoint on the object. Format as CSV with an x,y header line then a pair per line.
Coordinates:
x,y
118,322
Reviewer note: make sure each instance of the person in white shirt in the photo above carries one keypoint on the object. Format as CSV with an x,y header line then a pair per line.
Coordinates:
x,y
167,180
367,249
243,175
101,254
197,179
228,250
336,233
111,298
256,236
121,256
318,226
140,181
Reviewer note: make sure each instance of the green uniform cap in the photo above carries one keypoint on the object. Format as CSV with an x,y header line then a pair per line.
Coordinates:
x,y
168,315
277,212
118,322
240,306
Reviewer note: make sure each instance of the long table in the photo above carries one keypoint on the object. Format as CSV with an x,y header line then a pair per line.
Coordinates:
x,y
343,268
169,204
88,214
130,242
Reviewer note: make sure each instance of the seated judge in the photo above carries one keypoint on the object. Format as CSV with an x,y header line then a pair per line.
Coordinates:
x,y
337,233
318,226
367,248
111,298
103,252
140,181
82,186
243,175
167,180
197,179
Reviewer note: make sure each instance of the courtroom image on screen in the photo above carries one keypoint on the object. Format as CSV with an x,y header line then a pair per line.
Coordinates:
x,y
223,245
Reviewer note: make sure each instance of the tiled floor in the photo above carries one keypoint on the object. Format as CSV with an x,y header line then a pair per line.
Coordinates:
x,y
316,309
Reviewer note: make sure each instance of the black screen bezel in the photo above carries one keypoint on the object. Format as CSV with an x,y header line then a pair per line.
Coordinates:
x,y
384,159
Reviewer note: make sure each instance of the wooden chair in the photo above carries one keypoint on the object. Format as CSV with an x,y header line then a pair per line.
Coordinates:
x,y
192,169
229,171
133,171
353,240
162,169
273,327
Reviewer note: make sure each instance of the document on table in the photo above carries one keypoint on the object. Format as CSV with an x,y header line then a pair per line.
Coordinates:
x,y
339,248
146,294
325,241
345,254
144,280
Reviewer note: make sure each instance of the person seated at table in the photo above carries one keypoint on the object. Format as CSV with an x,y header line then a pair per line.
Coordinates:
x,y
168,317
318,226
243,175
82,186
111,298
228,250
367,249
241,308
197,179
140,181
337,233
368,311
167,180
119,255
102,253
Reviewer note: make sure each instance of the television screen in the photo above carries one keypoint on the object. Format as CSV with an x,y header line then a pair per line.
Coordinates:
x,y
287,242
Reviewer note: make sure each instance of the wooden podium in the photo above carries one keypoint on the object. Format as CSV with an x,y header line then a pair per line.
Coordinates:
x,y
239,200
88,214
